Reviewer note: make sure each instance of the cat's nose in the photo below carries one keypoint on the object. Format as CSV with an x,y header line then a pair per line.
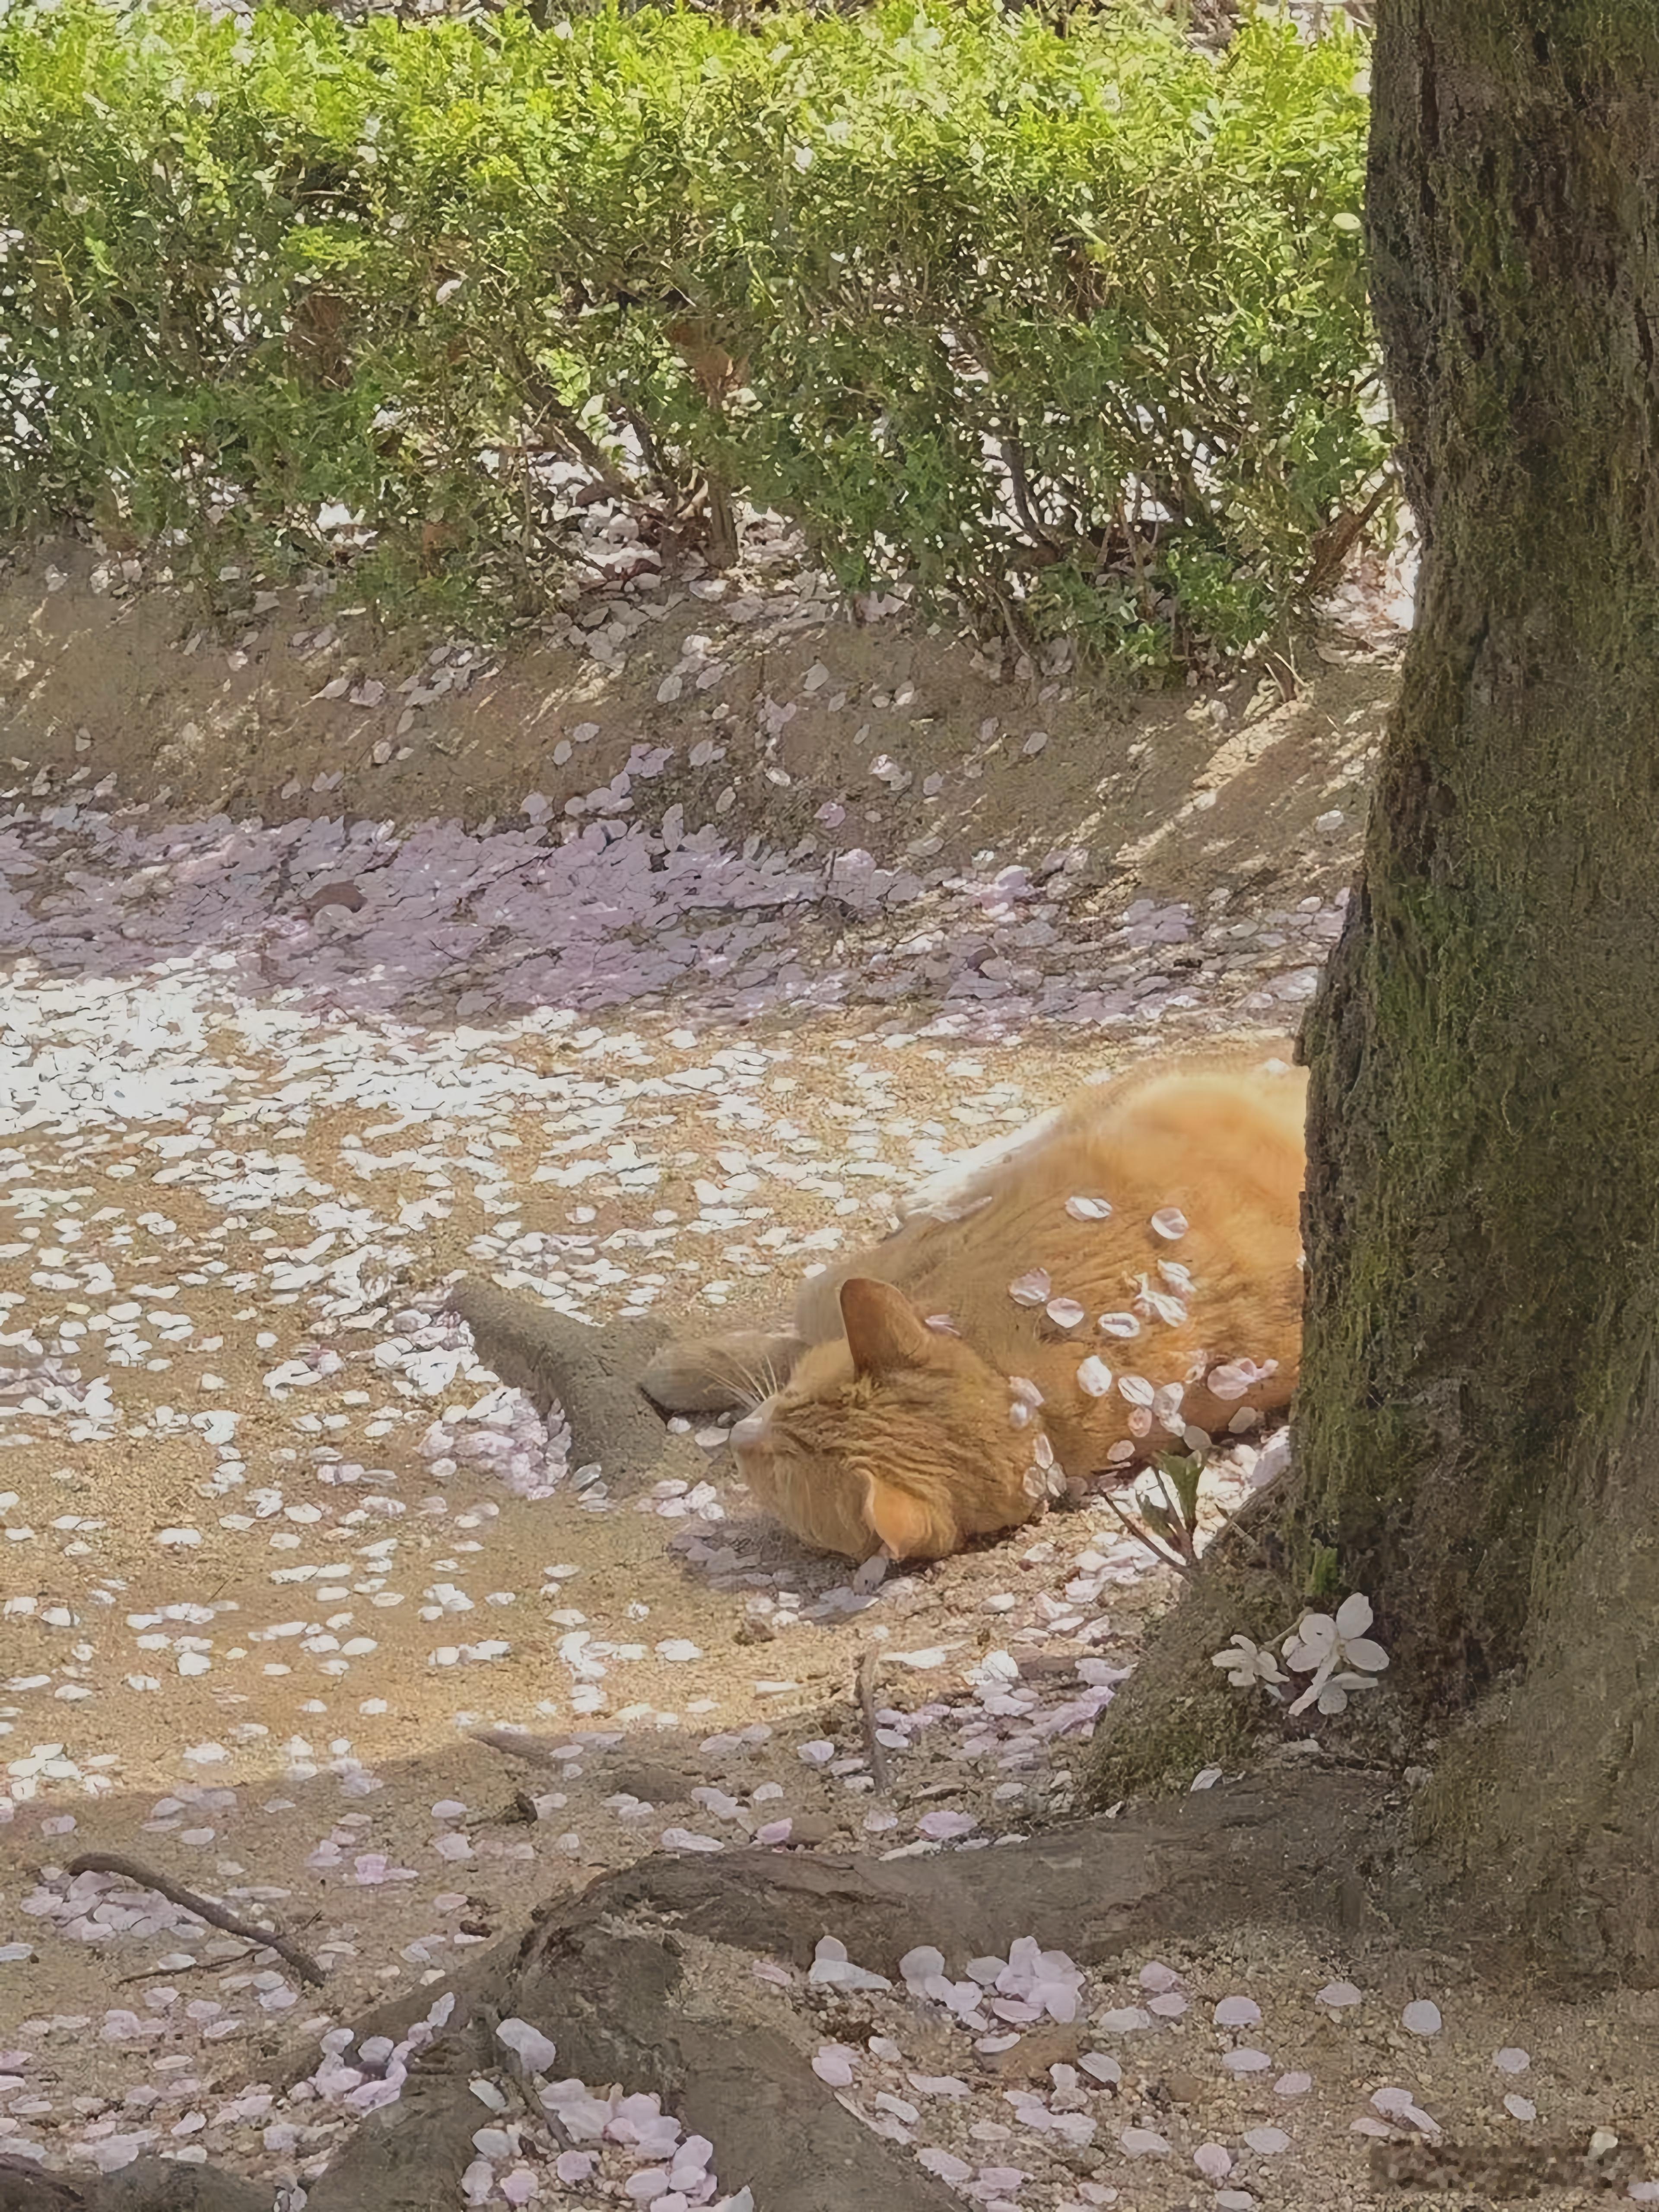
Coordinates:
x,y
750,1430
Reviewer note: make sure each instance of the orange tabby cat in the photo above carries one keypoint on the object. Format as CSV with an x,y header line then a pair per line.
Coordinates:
x,y
1062,1304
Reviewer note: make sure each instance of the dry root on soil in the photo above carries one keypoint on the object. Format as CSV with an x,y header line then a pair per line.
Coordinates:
x,y
610,1974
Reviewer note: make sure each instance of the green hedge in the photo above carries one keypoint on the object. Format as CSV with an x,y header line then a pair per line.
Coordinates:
x,y
1071,326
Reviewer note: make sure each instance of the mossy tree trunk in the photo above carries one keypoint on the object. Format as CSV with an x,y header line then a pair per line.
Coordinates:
x,y
1477,1431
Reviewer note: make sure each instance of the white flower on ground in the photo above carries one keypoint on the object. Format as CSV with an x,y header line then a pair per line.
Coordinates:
x,y
1248,1663
1336,1652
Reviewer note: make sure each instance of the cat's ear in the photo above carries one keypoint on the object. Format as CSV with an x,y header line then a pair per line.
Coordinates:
x,y
882,1333
908,1530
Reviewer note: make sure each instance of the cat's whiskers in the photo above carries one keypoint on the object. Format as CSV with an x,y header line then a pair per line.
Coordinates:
x,y
751,1385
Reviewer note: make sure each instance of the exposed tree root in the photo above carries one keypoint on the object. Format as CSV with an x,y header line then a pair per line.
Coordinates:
x,y
1176,1713
612,1972
626,2012
589,1375
410,2156
150,2184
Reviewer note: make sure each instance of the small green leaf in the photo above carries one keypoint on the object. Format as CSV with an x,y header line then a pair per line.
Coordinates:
x,y
1184,1472
1159,1518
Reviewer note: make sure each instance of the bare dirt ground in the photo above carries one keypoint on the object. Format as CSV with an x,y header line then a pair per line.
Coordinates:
x,y
639,967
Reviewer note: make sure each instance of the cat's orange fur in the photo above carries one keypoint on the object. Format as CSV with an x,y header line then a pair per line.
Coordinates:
x,y
889,1432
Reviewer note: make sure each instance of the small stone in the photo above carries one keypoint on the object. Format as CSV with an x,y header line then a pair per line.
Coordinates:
x,y
1030,2057
1185,2088
650,1781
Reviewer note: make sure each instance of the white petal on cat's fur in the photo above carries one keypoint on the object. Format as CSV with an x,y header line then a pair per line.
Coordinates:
x,y
946,1212
1020,1415
1231,1381
1169,1221
1094,1377
1025,1389
1179,1279
1118,1324
1031,1289
1134,1390
1065,1313
1118,1452
941,1325
1140,1421
1089,1209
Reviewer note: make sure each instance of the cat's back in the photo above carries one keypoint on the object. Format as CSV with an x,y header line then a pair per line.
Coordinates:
x,y
1199,1164
1179,1129
1216,1138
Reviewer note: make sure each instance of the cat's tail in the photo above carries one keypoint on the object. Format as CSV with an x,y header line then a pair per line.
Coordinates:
x,y
720,1374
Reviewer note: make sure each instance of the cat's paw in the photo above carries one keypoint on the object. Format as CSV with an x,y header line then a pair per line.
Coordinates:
x,y
719,1374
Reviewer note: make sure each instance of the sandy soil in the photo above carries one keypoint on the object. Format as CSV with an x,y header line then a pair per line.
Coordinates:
x,y
278,1551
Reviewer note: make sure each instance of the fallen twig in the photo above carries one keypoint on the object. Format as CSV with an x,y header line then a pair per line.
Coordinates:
x,y
533,1749
195,1966
1503,2171
865,1680
264,1939
206,1965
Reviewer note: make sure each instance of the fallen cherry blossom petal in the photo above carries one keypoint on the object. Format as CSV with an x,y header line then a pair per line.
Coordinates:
x,y
1144,2142
1338,1996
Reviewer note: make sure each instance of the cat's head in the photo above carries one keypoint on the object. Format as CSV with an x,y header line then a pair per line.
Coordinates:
x,y
898,1438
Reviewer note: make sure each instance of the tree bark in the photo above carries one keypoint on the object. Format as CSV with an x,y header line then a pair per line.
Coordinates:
x,y
1477,1431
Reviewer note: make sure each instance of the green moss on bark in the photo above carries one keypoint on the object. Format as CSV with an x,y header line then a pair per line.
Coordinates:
x,y
1178,1714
